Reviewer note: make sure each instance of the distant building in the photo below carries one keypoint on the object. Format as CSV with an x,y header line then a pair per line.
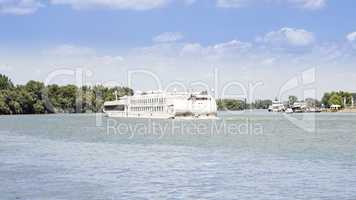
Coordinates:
x,y
335,107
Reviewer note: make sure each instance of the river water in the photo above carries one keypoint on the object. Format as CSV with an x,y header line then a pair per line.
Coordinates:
x,y
243,155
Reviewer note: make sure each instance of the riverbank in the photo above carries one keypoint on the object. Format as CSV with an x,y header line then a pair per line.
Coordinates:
x,y
345,110
348,110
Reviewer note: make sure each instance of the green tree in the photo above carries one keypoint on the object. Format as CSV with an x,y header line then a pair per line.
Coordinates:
x,y
51,96
67,98
340,98
5,82
4,108
36,98
25,99
325,99
15,107
35,88
292,100
261,104
335,99
231,104
39,108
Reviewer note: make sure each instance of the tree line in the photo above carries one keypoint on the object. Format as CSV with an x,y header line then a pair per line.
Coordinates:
x,y
236,104
342,98
37,98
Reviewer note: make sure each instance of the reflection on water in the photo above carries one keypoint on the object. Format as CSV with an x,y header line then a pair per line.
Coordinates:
x,y
253,155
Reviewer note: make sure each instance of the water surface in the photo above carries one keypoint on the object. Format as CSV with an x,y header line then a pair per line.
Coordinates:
x,y
253,155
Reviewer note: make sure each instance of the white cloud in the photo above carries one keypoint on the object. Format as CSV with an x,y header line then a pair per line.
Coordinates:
x,y
351,37
19,7
288,37
233,45
220,49
168,37
230,49
113,4
230,3
72,51
24,7
191,49
306,4
310,4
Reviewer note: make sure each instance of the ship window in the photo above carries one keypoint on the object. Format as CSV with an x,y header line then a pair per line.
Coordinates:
x,y
114,108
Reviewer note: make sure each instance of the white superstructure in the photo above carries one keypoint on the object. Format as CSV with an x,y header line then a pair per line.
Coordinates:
x,y
163,105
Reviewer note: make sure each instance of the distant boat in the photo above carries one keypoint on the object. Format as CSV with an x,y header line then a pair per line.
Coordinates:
x,y
276,107
289,110
156,104
314,110
299,107
302,107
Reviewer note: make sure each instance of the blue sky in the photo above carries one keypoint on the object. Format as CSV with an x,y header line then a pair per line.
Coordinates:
x,y
247,41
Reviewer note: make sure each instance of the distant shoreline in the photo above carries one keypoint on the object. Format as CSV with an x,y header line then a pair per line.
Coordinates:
x,y
348,110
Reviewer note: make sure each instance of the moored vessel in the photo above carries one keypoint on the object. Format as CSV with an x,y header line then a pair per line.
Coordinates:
x,y
165,105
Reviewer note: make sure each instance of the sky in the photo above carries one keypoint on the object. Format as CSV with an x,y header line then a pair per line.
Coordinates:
x,y
263,48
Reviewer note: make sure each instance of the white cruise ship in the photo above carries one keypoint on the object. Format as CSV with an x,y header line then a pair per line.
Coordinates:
x,y
163,105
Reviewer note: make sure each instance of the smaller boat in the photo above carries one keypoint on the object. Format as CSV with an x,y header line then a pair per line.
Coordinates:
x,y
289,111
276,107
